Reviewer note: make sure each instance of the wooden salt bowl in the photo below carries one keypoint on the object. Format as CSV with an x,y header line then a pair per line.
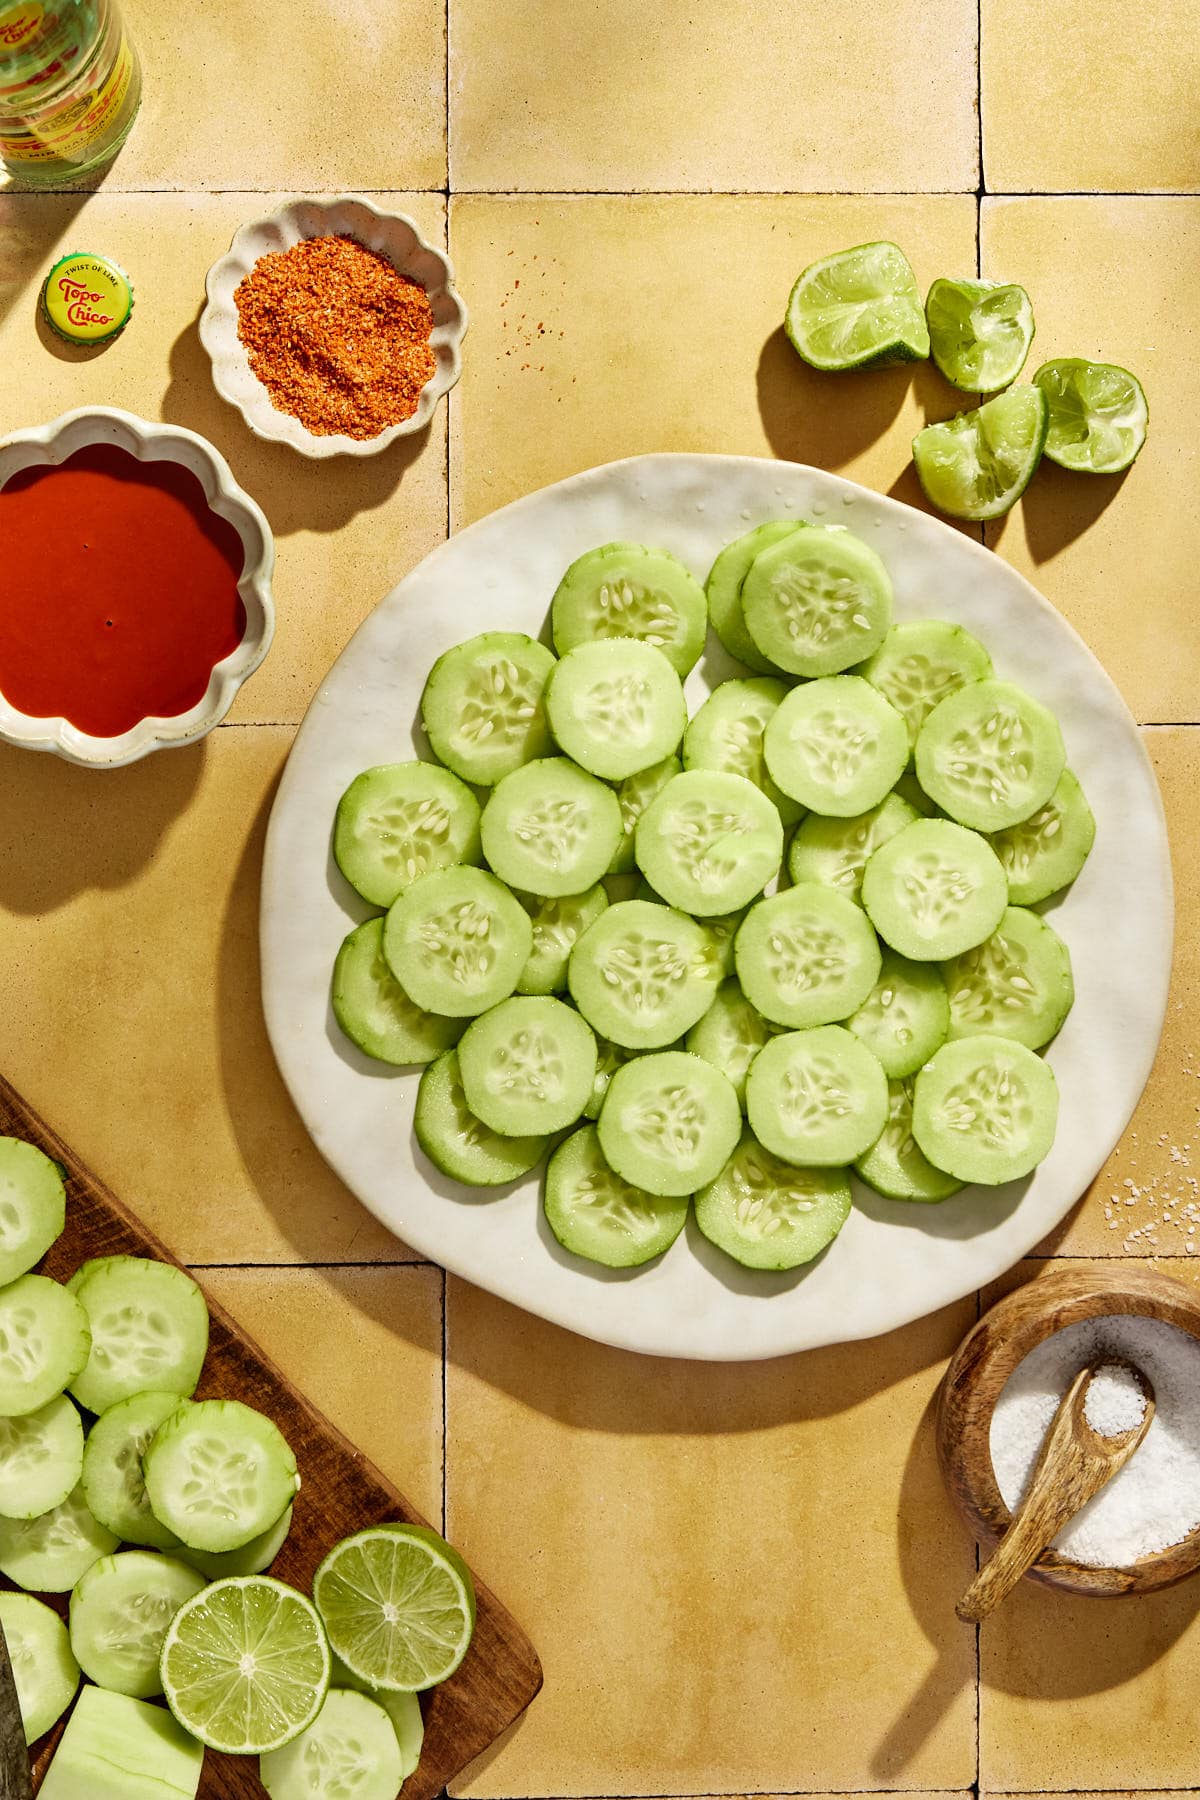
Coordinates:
x,y
983,1363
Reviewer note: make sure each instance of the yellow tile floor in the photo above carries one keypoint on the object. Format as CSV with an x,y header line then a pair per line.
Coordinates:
x,y
740,1579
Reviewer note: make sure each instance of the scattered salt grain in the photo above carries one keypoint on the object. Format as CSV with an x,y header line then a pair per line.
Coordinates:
x,y
1114,1401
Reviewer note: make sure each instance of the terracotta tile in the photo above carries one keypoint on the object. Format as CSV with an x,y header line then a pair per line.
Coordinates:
x,y
132,1018
327,1327
693,94
717,1564
604,327
1116,555
345,531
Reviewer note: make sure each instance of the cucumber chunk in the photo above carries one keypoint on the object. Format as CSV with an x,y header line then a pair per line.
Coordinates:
x,y
41,1457
457,942
33,1205
120,1611
727,734
551,829
482,705
1046,851
1016,984
816,1098
837,746
218,1474
113,1484
724,590
920,663
373,1009
634,795
50,1553
806,957
626,590
351,1748
934,890
44,1342
669,1123
250,1559
149,1326
458,1143
730,1035
985,1109
894,1166
709,843
768,1214
404,1710
990,755
400,821
616,707
905,1016
528,1067
835,852
643,974
45,1672
558,926
597,1214
817,602
115,1748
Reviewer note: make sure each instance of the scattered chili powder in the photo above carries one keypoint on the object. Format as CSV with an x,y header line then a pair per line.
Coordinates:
x,y
337,336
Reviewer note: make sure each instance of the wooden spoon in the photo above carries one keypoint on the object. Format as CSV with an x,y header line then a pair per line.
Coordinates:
x,y
1074,1463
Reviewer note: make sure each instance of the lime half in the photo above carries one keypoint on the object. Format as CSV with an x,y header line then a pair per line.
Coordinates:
x,y
858,309
977,465
245,1665
399,1606
1098,415
979,332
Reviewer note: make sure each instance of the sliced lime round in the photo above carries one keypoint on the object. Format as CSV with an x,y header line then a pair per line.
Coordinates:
x,y
977,465
858,309
398,1604
245,1665
1098,415
979,332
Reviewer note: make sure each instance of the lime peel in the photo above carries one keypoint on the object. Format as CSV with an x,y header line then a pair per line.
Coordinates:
x,y
977,465
979,332
1097,415
858,309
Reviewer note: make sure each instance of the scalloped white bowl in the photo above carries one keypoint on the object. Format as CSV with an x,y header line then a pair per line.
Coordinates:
x,y
394,236
51,444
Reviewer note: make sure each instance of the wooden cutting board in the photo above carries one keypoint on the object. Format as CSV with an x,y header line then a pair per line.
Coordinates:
x,y
341,1493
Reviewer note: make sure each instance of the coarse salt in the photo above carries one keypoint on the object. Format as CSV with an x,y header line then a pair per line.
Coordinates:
x,y
1114,1401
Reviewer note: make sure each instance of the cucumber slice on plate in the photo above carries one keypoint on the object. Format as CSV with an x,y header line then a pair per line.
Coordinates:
x,y
642,974
50,1553
218,1473
835,852
894,1166
985,1109
44,1343
457,942
816,1098
482,705
115,1748
634,795
350,1748
398,1603
404,1710
558,926
609,1058
616,707
837,746
44,1670
768,1214
1016,984
724,590
528,1066
120,1611
977,465
921,663
250,1559
818,601
730,1035
595,1213
400,821
375,1012
551,829
990,755
149,1327
934,890
41,1457
33,1206
669,1123
113,1484
627,590
709,843
909,788
858,309
806,957
458,1143
979,332
1046,851
1098,415
727,734
905,1016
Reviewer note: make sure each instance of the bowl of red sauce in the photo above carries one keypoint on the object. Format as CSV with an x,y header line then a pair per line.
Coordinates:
x,y
137,587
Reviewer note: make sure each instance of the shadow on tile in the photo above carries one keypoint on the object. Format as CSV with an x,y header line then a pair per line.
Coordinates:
x,y
32,223
1059,507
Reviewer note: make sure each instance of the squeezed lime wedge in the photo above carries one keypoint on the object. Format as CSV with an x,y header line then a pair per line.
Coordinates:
x,y
858,309
979,332
1098,415
977,465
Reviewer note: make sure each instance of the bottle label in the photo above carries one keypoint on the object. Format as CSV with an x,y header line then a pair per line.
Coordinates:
x,y
69,135
20,23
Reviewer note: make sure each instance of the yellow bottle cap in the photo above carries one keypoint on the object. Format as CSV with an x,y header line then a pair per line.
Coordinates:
x,y
87,299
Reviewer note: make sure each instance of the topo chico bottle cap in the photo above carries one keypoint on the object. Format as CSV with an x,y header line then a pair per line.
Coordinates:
x,y
87,299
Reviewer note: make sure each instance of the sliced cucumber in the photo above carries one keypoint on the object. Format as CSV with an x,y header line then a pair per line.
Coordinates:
x,y
375,1012
818,601
44,1343
835,852
457,942
616,707
909,788
806,957
609,1057
626,590
724,590
400,821
218,1473
33,1205
482,705
920,663
730,1035
50,1553
709,843
837,746
635,794
816,1098
669,1123
458,1143
115,1748
722,930
76,1281
768,1214
551,829
528,1066
934,890
41,1457
350,1749
985,1109
251,1559
894,1166
558,926
595,1213
1016,984
1046,851
905,1016
727,734
149,1327
642,974
120,1611
113,1483
990,755
44,1670
404,1710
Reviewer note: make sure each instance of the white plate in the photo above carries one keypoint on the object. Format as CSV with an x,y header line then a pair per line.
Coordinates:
x,y
892,1263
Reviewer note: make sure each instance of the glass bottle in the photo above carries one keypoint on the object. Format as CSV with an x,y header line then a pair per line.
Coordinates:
x,y
70,86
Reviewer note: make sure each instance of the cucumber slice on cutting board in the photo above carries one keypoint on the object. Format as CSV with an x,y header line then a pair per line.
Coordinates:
x,y
482,705
1045,852
33,1206
218,1473
807,956
558,926
934,890
597,1214
350,1748
458,1143
44,1343
906,1015
669,1122
44,1669
894,1165
120,1611
709,843
990,755
400,821
837,746
41,1457
249,1559
149,1329
768,1214
985,1109
115,1748
552,829
818,601
113,1484
47,1555
921,663
643,974
404,1710
724,590
616,707
816,1098
457,942
835,852
628,590
1016,984
528,1066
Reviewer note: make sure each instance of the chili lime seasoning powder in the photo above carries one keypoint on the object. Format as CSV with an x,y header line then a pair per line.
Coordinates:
x,y
337,336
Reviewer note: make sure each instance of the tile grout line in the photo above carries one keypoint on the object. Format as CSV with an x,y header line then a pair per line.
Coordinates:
x,y
709,193
301,1267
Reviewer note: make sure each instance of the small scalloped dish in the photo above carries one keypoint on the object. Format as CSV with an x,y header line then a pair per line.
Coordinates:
x,y
391,234
236,519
